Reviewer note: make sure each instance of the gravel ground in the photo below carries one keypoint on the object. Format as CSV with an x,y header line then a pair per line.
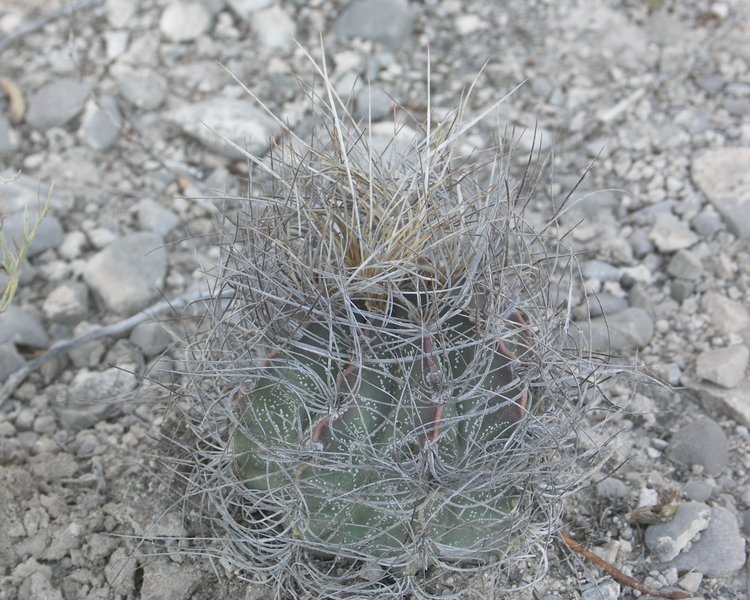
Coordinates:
x,y
115,95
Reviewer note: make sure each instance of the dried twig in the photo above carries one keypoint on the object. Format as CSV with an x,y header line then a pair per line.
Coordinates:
x,y
119,328
37,23
16,103
618,575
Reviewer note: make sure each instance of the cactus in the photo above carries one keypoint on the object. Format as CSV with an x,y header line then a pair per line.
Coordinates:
x,y
375,448
388,390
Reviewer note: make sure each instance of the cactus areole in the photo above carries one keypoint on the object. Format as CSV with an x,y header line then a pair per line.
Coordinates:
x,y
390,456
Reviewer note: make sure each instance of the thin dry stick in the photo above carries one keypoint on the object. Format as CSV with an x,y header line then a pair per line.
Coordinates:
x,y
619,575
119,328
16,103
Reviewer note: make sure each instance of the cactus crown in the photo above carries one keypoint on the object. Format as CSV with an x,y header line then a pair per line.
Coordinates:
x,y
391,388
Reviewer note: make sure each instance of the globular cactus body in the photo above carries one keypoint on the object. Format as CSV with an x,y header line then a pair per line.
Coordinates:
x,y
372,450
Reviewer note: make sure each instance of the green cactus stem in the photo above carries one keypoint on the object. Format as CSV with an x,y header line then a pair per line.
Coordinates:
x,y
371,456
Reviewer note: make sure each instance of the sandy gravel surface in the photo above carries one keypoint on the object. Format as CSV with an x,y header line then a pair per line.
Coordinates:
x,y
107,103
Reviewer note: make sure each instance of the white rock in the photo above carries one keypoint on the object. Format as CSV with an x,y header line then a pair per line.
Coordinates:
x,y
120,12
101,237
274,28
726,316
725,366
67,303
10,361
101,386
72,245
669,233
237,120
666,540
116,43
184,21
466,24
719,552
691,581
394,144
723,174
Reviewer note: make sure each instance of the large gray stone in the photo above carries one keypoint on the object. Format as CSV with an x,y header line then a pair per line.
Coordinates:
x,y
23,192
154,217
719,552
601,304
685,265
128,274
667,540
152,337
20,328
101,123
603,271
389,22
49,233
706,223
733,403
701,442
723,366
56,103
239,121
10,361
723,174
143,88
620,333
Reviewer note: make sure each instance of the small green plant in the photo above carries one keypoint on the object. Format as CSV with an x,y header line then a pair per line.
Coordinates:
x,y
388,391
14,254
